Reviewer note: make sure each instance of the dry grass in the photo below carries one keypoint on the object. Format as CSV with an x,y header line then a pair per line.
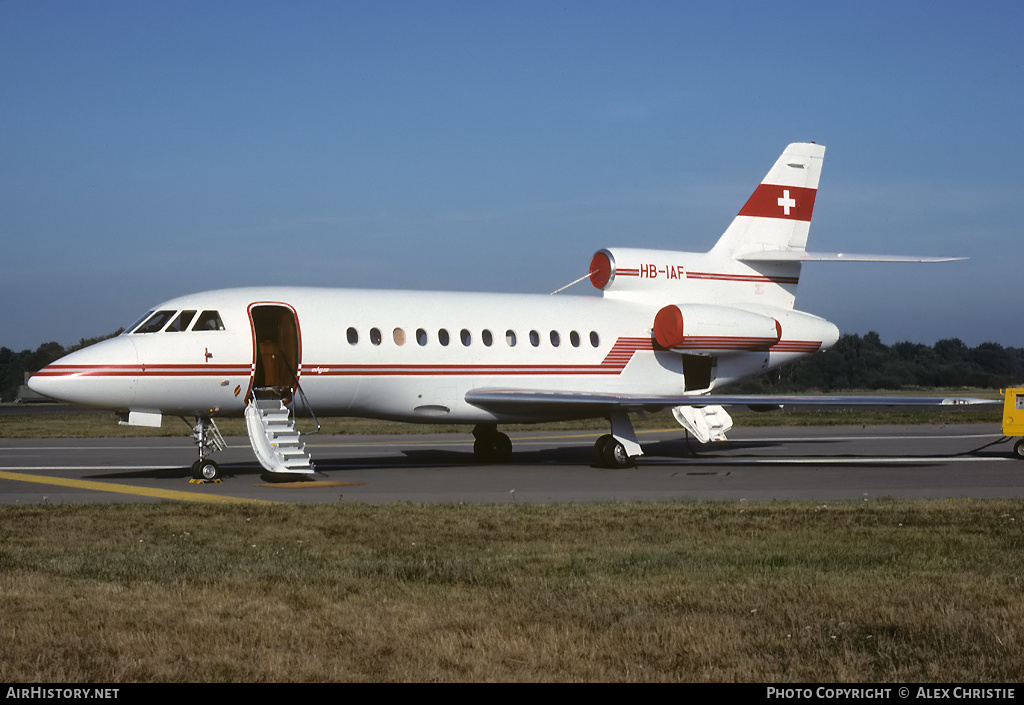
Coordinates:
x,y
783,592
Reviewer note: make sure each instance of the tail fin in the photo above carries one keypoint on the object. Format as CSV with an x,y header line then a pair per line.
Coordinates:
x,y
755,263
777,217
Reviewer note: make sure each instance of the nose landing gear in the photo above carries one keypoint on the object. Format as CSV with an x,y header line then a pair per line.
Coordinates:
x,y
207,438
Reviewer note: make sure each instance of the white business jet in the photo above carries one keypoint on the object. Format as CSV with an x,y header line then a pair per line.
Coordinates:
x,y
668,331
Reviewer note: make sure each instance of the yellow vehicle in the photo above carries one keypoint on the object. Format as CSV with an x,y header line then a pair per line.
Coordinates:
x,y
1013,418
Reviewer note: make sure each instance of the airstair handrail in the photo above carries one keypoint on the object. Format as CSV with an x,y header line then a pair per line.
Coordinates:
x,y
305,401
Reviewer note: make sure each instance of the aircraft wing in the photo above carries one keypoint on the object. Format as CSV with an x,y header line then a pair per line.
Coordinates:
x,y
537,401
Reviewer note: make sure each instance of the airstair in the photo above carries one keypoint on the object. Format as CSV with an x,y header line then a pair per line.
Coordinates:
x,y
274,438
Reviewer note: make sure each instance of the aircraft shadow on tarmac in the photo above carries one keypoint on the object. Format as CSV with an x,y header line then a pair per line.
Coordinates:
x,y
663,453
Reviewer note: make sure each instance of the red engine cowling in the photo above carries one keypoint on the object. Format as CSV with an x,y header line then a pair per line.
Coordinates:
x,y
714,330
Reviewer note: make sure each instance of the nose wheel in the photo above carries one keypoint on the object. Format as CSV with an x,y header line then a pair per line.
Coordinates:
x,y
205,470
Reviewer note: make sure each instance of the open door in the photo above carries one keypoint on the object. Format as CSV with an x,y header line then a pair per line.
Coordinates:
x,y
277,349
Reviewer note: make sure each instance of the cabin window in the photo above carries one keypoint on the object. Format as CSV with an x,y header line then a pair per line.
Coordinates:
x,y
181,322
375,336
156,322
442,336
486,337
399,336
555,340
594,340
353,336
466,337
421,336
574,338
209,320
534,338
510,338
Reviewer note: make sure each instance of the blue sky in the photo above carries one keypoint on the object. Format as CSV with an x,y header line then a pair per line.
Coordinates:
x,y
151,149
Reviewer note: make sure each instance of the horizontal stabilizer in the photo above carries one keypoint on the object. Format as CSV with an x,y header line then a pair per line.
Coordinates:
x,y
799,256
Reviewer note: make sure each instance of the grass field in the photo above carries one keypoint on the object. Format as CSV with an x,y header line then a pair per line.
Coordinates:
x,y
879,591
779,592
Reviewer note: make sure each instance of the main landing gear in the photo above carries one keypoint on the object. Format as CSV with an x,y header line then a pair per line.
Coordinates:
x,y
207,437
491,446
609,452
618,449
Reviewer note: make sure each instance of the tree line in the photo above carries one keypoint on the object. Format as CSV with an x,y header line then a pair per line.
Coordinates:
x,y
854,362
864,362
14,365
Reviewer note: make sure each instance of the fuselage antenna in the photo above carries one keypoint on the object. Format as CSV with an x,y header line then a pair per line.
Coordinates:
x,y
570,284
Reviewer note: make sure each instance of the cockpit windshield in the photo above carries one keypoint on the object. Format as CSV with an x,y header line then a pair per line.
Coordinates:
x,y
209,320
181,322
133,326
154,322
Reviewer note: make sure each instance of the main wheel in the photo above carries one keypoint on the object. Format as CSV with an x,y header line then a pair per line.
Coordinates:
x,y
599,446
612,453
615,455
1018,449
493,448
205,470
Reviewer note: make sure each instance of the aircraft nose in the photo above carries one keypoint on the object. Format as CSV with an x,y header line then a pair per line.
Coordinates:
x,y
101,376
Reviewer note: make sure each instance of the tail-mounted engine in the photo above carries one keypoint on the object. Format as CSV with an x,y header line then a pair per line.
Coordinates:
x,y
714,330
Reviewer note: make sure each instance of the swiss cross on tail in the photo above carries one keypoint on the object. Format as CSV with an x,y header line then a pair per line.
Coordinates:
x,y
786,202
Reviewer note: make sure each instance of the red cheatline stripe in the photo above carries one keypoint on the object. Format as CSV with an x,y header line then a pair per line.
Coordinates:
x,y
796,346
726,343
459,372
98,371
149,372
142,370
613,363
742,278
730,338
140,366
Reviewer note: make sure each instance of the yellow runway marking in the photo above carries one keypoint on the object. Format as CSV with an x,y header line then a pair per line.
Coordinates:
x,y
126,489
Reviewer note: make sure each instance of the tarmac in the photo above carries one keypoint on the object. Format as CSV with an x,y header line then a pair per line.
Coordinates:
x,y
756,464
